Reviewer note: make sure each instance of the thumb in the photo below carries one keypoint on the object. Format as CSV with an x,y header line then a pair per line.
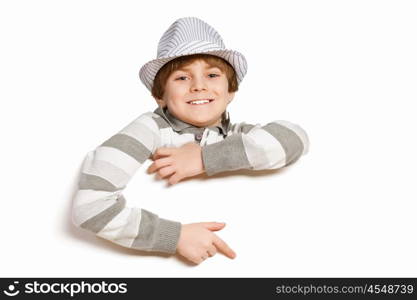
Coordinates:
x,y
214,226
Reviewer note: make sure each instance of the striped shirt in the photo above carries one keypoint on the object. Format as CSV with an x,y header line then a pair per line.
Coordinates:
x,y
99,205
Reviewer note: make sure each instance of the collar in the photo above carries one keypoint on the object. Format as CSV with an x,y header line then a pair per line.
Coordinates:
x,y
180,126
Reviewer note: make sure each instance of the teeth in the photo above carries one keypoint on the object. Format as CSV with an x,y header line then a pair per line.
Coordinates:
x,y
200,101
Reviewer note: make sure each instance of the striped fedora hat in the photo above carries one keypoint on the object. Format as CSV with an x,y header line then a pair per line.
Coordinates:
x,y
188,36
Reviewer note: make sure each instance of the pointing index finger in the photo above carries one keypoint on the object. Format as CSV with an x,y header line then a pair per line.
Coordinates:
x,y
223,247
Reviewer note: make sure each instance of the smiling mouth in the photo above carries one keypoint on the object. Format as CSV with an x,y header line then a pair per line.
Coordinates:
x,y
200,101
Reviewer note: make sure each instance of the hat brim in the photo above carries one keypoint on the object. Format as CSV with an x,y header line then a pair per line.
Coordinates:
x,y
238,61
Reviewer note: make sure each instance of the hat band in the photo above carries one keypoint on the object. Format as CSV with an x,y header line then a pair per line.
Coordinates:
x,y
188,48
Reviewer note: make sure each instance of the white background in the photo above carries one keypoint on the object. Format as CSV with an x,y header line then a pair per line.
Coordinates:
x,y
343,70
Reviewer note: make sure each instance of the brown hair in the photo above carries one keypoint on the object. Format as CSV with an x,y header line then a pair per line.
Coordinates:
x,y
182,61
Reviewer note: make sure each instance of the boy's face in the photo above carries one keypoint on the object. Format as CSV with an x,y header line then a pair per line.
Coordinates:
x,y
197,81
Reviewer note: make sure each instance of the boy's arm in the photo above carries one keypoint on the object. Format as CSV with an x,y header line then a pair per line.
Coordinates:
x,y
99,205
272,146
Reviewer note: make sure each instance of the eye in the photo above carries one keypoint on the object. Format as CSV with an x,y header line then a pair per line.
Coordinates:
x,y
215,75
180,78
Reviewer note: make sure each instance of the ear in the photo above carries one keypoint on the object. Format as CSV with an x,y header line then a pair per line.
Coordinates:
x,y
160,102
231,96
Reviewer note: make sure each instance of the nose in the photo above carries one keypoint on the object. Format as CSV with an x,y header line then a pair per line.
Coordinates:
x,y
198,85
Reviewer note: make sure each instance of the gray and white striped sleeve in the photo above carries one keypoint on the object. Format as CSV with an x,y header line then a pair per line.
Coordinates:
x,y
272,146
99,205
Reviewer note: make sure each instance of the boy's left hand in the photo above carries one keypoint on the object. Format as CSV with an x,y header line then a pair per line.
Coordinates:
x,y
177,163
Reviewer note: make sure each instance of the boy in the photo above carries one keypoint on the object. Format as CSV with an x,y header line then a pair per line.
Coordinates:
x,y
193,80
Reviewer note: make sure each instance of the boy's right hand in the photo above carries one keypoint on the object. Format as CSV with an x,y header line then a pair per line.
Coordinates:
x,y
197,242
